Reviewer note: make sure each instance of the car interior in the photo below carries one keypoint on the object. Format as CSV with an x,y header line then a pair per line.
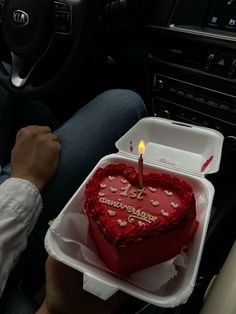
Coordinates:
x,y
179,55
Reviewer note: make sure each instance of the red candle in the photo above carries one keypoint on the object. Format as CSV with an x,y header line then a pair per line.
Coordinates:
x,y
141,149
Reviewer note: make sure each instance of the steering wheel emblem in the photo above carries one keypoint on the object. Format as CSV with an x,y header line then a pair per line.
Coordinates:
x,y
20,18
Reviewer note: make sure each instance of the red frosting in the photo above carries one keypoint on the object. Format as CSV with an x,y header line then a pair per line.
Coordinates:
x,y
126,220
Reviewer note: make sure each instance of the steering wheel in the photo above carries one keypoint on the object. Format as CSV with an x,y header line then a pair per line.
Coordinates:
x,y
47,42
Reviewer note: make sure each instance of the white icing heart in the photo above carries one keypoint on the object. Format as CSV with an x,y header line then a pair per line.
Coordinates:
x,y
169,193
152,189
121,222
164,213
113,190
112,213
141,223
154,202
174,205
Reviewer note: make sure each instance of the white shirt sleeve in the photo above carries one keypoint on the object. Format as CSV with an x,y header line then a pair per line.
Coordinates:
x,y
20,206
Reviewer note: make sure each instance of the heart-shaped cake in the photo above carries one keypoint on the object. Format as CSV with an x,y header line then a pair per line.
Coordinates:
x,y
136,227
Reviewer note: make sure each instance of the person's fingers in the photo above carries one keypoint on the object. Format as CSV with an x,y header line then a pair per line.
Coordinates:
x,y
32,130
55,138
50,136
57,145
42,128
39,128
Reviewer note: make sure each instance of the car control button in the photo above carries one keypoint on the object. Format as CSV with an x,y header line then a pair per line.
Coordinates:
x,y
220,63
209,61
1,9
62,17
232,68
60,6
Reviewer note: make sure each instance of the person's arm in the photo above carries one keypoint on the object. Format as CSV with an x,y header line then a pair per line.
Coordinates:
x,y
34,159
20,206
65,293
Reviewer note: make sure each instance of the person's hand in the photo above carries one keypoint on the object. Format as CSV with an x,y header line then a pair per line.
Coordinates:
x,y
35,155
65,294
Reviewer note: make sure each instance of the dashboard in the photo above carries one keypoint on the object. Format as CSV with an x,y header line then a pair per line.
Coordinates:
x,y
191,52
192,62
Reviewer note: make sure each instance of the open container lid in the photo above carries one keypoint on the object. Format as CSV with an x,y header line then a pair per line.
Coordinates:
x,y
172,144
168,144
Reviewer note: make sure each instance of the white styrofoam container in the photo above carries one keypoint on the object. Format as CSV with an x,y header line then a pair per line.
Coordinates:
x,y
171,147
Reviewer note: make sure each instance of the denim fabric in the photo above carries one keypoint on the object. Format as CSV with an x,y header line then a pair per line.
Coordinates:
x,y
86,137
6,170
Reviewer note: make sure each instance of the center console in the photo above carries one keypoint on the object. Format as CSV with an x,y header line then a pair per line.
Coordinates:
x,y
192,79
192,63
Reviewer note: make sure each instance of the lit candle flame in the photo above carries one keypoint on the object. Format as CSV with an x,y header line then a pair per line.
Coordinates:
x,y
141,147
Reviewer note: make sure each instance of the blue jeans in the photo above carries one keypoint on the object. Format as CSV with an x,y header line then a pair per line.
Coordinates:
x,y
86,137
